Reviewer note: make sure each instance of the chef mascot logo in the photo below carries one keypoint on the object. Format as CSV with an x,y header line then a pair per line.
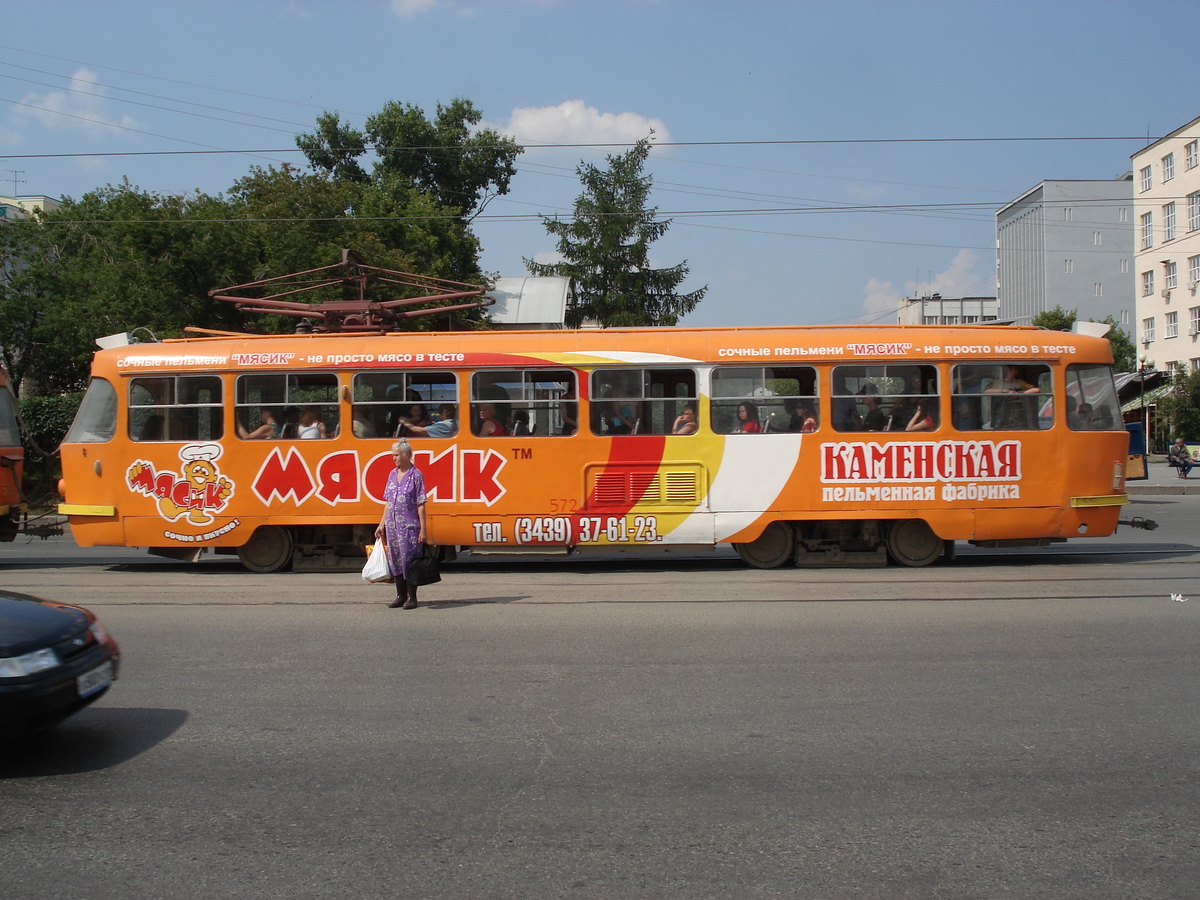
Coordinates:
x,y
194,493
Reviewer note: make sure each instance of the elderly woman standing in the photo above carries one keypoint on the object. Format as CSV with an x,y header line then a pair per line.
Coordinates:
x,y
402,528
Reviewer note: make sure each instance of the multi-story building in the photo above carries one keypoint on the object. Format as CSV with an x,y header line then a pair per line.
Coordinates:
x,y
1166,210
19,207
939,310
1067,244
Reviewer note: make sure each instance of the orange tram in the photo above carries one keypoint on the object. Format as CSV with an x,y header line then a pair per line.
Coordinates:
x,y
804,445
12,460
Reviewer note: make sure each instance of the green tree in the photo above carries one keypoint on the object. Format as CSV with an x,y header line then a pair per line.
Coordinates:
x,y
1181,406
1057,319
605,248
117,259
442,159
120,259
1123,348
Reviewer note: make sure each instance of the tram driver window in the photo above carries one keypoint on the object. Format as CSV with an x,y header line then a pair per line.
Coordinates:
x,y
893,397
763,400
176,408
641,401
1002,396
1092,403
286,406
524,403
394,404
96,421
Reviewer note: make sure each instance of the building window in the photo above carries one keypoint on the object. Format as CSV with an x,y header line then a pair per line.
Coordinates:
x,y
1168,167
1194,211
929,320
1193,155
1195,362
1124,317
1169,222
1068,266
1175,367
1124,267
1097,238
1098,287
1147,330
1172,329
1170,276
1123,214
1147,283
1068,214
970,320
1146,178
1193,271
1194,320
1147,231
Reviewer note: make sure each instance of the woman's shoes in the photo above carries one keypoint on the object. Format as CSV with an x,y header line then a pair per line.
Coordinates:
x,y
396,604
410,603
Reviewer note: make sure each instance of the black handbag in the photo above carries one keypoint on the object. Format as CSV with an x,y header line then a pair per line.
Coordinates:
x,y
423,568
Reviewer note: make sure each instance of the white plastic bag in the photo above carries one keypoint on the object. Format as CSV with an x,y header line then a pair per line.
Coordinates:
x,y
377,568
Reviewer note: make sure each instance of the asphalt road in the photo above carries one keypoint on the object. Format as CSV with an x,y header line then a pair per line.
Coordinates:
x,y
1010,725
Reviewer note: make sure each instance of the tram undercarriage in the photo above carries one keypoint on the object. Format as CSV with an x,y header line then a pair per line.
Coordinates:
x,y
856,542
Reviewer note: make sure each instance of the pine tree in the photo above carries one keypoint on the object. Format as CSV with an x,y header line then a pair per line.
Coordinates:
x,y
605,249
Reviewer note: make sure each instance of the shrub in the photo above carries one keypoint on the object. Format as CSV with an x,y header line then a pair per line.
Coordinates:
x,y
46,422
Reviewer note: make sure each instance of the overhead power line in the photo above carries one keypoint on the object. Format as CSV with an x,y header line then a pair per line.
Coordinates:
x,y
578,146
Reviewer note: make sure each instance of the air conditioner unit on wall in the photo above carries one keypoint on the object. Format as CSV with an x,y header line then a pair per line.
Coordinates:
x,y
1193,331
1166,293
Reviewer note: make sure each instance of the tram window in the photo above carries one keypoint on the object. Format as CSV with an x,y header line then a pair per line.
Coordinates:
x,y
524,402
96,421
1092,399
885,398
776,399
176,408
640,401
382,399
1002,397
9,436
272,406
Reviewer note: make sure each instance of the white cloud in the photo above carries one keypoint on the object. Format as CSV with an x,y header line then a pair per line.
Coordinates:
x,y
881,298
84,106
959,280
573,122
549,257
865,191
406,9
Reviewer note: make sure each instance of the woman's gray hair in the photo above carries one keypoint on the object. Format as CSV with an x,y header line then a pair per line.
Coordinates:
x,y
403,447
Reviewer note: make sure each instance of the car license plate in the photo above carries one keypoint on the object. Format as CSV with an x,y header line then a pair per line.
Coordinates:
x,y
97,679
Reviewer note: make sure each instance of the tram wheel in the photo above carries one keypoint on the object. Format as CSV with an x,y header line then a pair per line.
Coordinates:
x,y
268,550
770,549
911,542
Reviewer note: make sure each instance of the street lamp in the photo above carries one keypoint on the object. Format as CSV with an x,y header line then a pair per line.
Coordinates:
x,y
1144,364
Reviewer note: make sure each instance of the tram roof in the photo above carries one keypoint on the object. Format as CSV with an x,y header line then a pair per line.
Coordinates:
x,y
782,346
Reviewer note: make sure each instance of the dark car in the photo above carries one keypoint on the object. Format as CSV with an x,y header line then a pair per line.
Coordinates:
x,y
55,659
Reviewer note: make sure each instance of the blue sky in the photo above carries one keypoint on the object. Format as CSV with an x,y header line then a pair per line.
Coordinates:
x,y
780,121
